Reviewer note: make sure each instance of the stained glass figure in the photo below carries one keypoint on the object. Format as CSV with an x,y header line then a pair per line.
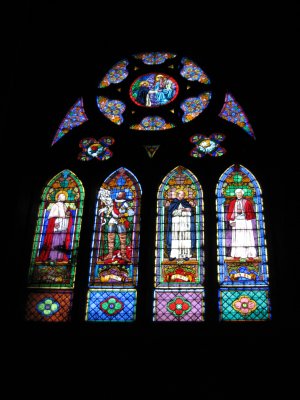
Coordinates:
x,y
116,74
154,58
115,249
112,109
98,149
207,145
194,106
233,112
179,245
154,123
56,240
242,252
76,116
153,90
192,72
114,257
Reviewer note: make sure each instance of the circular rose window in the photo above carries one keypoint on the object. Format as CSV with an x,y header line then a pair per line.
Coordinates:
x,y
153,90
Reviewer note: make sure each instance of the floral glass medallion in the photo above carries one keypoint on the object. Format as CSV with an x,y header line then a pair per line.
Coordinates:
x,y
92,148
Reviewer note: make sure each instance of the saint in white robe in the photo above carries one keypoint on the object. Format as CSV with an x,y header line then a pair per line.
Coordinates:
x,y
181,245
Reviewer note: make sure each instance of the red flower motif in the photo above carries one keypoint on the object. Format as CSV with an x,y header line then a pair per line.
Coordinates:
x,y
179,306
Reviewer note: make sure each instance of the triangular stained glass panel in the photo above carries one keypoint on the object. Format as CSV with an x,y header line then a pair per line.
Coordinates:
x,y
151,149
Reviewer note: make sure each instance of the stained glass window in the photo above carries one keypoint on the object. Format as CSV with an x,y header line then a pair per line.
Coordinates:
x,y
153,81
115,249
242,249
141,95
179,260
55,247
156,91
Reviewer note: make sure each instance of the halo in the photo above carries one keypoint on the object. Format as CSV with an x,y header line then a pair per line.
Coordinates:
x,y
183,189
61,192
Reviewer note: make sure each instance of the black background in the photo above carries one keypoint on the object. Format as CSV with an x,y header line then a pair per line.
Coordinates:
x,y
56,53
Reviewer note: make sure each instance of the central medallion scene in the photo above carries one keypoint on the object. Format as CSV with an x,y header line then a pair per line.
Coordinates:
x,y
153,90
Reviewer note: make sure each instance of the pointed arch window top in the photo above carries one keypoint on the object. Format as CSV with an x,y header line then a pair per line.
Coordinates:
x,y
65,181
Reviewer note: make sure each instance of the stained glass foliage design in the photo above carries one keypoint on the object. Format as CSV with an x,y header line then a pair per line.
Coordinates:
x,y
192,72
242,249
51,306
98,149
179,305
194,106
56,240
154,123
111,109
233,112
116,74
153,90
179,258
111,305
75,117
207,145
154,58
115,248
